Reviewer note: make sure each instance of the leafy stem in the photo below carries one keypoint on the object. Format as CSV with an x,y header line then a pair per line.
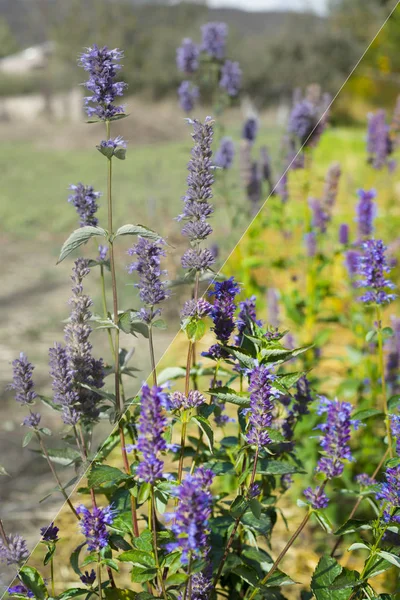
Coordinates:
x,y
105,310
383,379
153,529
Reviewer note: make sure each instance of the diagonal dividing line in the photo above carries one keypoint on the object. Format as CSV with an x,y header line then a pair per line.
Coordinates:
x,y
113,431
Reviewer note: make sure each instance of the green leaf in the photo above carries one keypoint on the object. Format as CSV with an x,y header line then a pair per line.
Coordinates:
x,y
347,580
370,336
74,559
227,394
392,558
137,230
100,474
171,373
3,471
63,456
238,506
120,153
27,438
206,429
119,594
324,575
263,525
256,508
378,565
144,492
72,593
276,467
78,237
277,579
361,415
358,546
248,574
49,554
351,526
394,402
195,330
34,582
143,574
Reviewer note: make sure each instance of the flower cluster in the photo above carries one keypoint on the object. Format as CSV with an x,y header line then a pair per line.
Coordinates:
x,y
50,533
331,186
389,494
250,129
190,520
366,213
196,308
179,401
222,314
93,525
84,198
225,154
15,552
188,94
372,267
102,65
187,56
320,217
22,384
247,315
152,290
261,406
300,407
214,39
197,208
231,77
379,142
152,425
309,117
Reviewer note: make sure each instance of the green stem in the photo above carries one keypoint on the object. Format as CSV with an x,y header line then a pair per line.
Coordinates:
x,y
152,356
99,577
54,473
188,587
105,311
153,529
53,593
383,379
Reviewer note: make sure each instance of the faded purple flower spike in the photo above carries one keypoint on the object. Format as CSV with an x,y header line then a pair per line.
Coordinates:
x,y
64,393
273,307
225,153
344,234
152,425
84,198
188,94
196,308
389,493
310,240
365,480
373,268
254,187
366,212
15,552
247,315
309,118
320,218
379,142
103,250
93,525
22,384
32,420
331,187
187,56
335,436
250,129
102,66
50,533
179,401
261,406
82,367
190,521
266,167
231,78
214,39
351,261
152,289
393,357
303,399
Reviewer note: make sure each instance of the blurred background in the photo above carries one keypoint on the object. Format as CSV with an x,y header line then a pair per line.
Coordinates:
x,y
45,146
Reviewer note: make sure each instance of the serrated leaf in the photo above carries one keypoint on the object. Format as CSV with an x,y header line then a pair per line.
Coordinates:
x,y
63,456
227,394
195,330
32,579
79,237
277,467
324,575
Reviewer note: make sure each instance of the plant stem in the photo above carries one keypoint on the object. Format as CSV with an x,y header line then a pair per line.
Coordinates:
x,y
153,529
99,577
55,475
152,356
53,593
282,554
359,500
3,534
105,310
119,404
236,525
383,379
188,586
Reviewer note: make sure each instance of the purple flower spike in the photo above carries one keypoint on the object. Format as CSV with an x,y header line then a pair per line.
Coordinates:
x,y
152,425
389,493
152,290
84,198
318,499
320,218
366,212
223,311
196,308
190,521
15,552
214,39
336,436
188,95
88,578
393,357
379,142
94,526
331,185
344,234
180,402
32,420
247,315
22,384
365,480
261,406
50,533
21,590
373,267
250,129
187,56
231,78
225,154
102,66
310,240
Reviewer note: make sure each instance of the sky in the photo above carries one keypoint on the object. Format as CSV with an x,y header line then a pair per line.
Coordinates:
x,y
317,5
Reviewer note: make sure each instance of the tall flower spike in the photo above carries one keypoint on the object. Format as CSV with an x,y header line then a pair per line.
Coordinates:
x,y
372,267
84,198
152,289
331,186
225,153
261,406
102,65
366,212
152,426
22,384
82,367
379,143
214,39
64,393
93,525
197,208
223,313
187,56
190,521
